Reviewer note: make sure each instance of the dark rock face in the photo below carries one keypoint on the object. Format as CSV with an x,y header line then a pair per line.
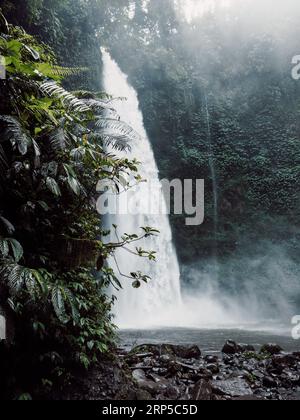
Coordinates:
x,y
233,387
269,382
246,348
271,349
202,391
231,347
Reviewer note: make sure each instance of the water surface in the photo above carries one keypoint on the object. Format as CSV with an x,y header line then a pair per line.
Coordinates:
x,y
209,340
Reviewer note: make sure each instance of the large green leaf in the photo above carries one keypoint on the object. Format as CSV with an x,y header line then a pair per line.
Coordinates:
x,y
53,186
16,249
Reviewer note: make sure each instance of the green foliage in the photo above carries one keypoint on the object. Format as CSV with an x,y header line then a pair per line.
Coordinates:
x,y
52,155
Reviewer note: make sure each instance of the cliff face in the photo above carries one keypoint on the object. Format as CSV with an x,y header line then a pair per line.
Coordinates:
x,y
181,71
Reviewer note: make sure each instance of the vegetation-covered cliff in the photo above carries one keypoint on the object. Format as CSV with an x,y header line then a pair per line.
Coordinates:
x,y
232,67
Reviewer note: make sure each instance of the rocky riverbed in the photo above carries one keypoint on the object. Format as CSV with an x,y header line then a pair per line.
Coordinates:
x,y
170,372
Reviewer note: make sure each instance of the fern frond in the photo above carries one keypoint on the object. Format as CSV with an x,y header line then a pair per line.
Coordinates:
x,y
68,99
119,142
85,94
58,139
68,71
110,126
4,248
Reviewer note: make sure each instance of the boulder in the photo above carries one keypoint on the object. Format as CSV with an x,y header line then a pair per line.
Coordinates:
x,y
211,359
269,382
183,352
202,391
144,383
213,368
233,387
271,349
142,395
231,347
246,348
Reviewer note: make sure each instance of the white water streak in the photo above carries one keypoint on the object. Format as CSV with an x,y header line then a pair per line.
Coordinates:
x,y
154,304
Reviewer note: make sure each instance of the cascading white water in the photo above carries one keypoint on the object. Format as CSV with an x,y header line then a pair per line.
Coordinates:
x,y
156,303
212,168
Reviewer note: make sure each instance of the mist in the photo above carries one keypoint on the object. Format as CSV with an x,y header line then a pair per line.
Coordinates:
x,y
258,291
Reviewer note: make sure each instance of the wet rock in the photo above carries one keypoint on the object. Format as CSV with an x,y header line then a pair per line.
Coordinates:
x,y
289,379
183,352
269,382
152,349
293,397
233,387
159,380
258,374
281,361
246,348
204,374
202,391
211,359
143,395
144,383
231,347
166,359
172,392
186,367
271,349
213,368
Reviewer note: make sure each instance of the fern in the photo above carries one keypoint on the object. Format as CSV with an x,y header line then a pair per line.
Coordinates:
x,y
85,94
4,248
68,71
110,126
119,142
68,99
58,139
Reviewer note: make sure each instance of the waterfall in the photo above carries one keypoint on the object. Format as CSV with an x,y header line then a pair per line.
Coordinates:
x,y
155,303
212,167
